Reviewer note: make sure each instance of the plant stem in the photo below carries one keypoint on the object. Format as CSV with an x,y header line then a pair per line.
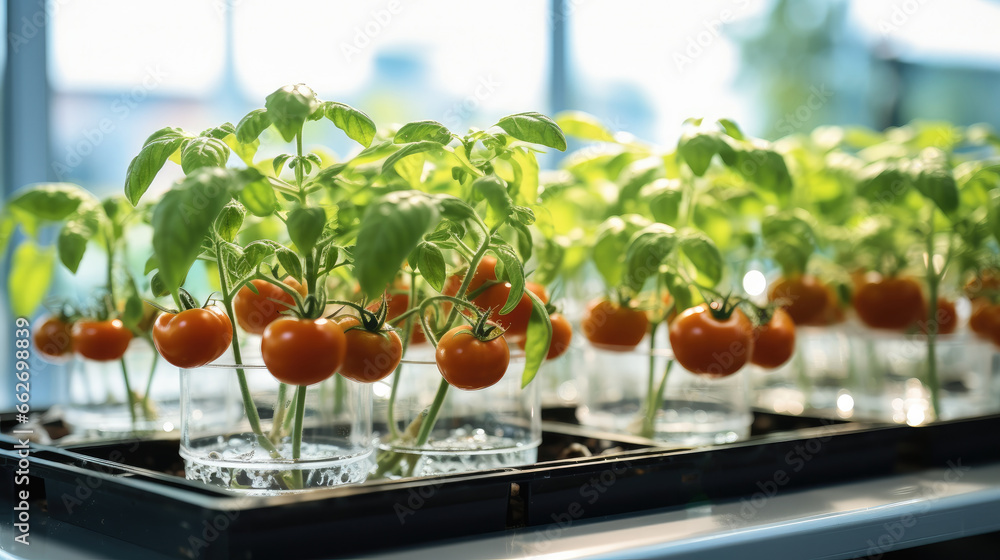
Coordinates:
x,y
147,410
933,279
248,405
649,423
298,167
407,333
279,413
428,422
128,393
300,412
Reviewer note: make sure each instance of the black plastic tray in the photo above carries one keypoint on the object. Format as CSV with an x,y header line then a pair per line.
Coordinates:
x,y
130,490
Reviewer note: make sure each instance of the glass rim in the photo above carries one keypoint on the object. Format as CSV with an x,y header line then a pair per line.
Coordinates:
x,y
514,358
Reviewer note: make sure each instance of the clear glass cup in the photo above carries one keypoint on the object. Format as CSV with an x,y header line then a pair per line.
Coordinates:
x,y
221,445
821,377
139,394
690,410
896,380
499,426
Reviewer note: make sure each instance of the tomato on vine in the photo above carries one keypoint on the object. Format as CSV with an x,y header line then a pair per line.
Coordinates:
x,y
301,351
710,341
774,341
613,327
894,303
193,337
101,341
371,355
471,360
804,297
54,339
946,320
255,311
515,323
562,336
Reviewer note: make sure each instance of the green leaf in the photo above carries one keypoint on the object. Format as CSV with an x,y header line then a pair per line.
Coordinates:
x,y
391,228
249,128
454,208
74,235
703,254
31,270
993,214
731,128
523,215
256,251
550,261
537,339
154,153
259,198
430,263
356,124
766,168
513,272
290,262
157,286
220,132
203,152
494,190
289,107
409,150
524,239
184,217
584,126
646,251
535,128
230,220
431,131
611,244
664,197
697,151
51,201
790,239
884,182
327,176
305,227
934,180
525,186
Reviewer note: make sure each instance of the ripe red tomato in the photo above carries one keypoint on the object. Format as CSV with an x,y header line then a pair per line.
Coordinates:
x,y
303,351
101,341
370,356
985,320
485,272
986,282
254,312
946,320
53,339
469,363
774,343
890,303
613,327
562,335
194,337
806,298
514,323
705,345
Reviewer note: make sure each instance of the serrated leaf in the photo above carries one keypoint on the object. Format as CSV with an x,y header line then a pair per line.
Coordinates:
x,y
584,126
355,123
230,220
220,132
534,128
31,270
290,262
391,228
305,227
259,199
430,263
203,152
52,202
431,131
646,251
250,127
537,339
256,251
182,219
154,153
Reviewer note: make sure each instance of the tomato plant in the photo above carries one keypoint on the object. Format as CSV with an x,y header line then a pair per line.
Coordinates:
x,y
303,351
774,340
613,326
709,341
562,336
193,337
101,340
514,323
890,303
804,298
258,307
53,338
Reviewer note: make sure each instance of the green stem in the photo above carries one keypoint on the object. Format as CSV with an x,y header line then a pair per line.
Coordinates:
x,y
933,279
248,405
109,245
407,331
298,167
128,393
279,413
300,412
649,423
147,410
431,416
